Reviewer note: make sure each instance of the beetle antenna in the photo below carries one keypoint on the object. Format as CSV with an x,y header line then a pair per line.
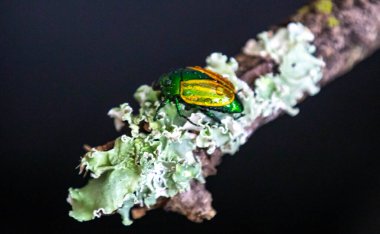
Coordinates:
x,y
155,85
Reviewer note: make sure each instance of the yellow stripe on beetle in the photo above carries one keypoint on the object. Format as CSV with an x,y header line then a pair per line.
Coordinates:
x,y
201,90
206,93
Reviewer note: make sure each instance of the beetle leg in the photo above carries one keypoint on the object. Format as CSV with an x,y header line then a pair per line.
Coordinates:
x,y
207,112
238,117
211,115
177,105
162,104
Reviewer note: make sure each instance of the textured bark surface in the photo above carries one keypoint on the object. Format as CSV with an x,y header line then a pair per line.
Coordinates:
x,y
356,37
341,46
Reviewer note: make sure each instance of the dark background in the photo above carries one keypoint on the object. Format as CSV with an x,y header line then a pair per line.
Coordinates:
x,y
64,64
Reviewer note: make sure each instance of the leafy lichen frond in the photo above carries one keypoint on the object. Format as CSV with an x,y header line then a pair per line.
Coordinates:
x,y
161,162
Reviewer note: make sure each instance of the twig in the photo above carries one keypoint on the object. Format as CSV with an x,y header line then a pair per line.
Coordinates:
x,y
341,46
345,31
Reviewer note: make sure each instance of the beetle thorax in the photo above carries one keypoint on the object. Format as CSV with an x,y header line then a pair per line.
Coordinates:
x,y
170,85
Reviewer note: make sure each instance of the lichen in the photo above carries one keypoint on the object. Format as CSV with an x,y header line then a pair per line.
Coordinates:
x,y
161,161
332,21
299,70
303,10
321,6
324,6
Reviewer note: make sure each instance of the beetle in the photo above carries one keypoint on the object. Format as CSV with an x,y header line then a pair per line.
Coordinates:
x,y
201,89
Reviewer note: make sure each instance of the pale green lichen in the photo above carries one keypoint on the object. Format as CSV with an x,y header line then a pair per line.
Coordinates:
x,y
138,169
161,163
144,166
299,70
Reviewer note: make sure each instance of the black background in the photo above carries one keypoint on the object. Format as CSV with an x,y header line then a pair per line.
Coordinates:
x,y
64,64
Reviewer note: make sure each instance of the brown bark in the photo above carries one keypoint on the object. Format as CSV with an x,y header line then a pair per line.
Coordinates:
x,y
356,37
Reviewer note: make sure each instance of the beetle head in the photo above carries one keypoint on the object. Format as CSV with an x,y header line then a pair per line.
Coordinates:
x,y
170,84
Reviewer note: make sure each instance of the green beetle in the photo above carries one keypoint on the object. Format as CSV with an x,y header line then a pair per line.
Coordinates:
x,y
199,88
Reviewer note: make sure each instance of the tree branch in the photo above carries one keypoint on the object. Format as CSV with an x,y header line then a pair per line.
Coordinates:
x,y
346,32
343,37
